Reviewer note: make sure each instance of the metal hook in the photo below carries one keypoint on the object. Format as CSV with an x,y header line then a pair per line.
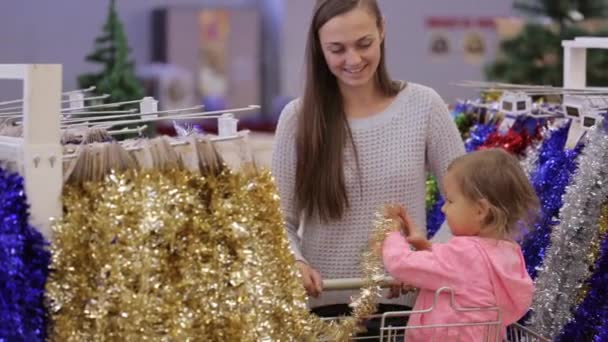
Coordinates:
x,y
36,161
52,160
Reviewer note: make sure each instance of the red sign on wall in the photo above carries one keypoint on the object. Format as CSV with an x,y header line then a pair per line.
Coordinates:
x,y
437,22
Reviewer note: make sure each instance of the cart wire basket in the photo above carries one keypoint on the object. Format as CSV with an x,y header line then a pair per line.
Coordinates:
x,y
485,330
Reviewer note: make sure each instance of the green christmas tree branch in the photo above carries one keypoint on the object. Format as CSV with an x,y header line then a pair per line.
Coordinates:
x,y
535,56
562,11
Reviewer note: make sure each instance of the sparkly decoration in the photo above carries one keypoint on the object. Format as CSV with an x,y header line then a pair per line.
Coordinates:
x,y
521,135
178,256
603,331
511,141
590,321
460,107
478,136
366,302
24,261
553,174
434,218
491,95
432,191
464,123
594,253
565,269
434,202
175,256
530,161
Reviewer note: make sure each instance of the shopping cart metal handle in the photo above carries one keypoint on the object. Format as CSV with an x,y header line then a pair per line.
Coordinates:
x,y
351,283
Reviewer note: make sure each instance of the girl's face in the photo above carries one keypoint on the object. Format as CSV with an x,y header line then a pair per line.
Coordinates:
x,y
465,217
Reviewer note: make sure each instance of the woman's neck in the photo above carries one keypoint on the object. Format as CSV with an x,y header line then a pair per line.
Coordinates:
x,y
363,101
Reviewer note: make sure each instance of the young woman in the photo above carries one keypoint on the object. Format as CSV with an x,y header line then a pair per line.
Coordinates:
x,y
353,142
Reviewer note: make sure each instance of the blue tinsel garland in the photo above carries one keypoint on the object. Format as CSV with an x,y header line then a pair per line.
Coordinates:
x,y
550,179
24,261
434,217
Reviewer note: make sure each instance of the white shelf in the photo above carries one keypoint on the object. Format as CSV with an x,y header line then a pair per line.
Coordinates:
x,y
575,59
587,43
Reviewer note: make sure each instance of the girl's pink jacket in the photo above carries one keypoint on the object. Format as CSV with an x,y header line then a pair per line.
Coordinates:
x,y
482,272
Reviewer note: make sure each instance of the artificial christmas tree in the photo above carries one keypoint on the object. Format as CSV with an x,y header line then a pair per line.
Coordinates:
x,y
117,76
534,55
564,12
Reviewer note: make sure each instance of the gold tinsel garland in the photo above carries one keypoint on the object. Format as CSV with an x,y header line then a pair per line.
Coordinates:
x,y
181,257
365,304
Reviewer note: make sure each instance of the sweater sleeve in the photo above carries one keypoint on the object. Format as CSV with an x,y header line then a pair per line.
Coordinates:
x,y
443,144
284,172
429,269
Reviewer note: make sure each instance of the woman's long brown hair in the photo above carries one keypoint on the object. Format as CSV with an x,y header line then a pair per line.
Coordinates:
x,y
323,130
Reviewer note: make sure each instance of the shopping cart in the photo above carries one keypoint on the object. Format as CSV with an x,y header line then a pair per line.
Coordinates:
x,y
489,330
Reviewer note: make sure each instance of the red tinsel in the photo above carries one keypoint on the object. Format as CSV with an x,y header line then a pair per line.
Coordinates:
x,y
513,141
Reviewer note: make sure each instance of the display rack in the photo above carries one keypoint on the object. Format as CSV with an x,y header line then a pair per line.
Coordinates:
x,y
575,76
37,155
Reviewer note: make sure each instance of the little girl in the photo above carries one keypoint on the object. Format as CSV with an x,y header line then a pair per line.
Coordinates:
x,y
488,197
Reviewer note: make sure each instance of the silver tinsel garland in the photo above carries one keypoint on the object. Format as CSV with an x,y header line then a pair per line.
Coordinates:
x,y
565,268
530,161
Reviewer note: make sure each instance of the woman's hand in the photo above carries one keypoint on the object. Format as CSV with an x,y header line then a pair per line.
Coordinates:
x,y
311,279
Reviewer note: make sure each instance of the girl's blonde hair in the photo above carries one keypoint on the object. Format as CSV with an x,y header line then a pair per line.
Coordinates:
x,y
497,177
